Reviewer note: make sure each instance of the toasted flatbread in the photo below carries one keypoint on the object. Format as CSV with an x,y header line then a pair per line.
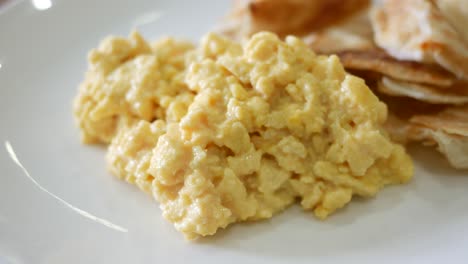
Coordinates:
x,y
379,61
458,94
456,12
452,120
446,129
449,130
286,17
353,33
417,30
455,148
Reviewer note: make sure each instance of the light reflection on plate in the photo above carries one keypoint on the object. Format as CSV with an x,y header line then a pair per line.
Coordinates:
x,y
42,4
147,18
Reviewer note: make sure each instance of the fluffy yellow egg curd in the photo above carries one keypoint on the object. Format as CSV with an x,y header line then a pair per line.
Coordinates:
x,y
228,132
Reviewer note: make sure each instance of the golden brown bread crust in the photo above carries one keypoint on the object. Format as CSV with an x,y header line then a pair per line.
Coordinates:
x,y
379,61
457,94
287,17
417,30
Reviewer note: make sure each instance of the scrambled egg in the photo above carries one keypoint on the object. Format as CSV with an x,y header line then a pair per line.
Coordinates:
x,y
129,80
231,132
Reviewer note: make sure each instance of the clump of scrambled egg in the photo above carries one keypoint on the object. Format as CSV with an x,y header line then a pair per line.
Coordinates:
x,y
130,80
262,124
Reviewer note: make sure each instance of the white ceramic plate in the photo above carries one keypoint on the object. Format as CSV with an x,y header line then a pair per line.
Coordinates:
x,y
43,58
